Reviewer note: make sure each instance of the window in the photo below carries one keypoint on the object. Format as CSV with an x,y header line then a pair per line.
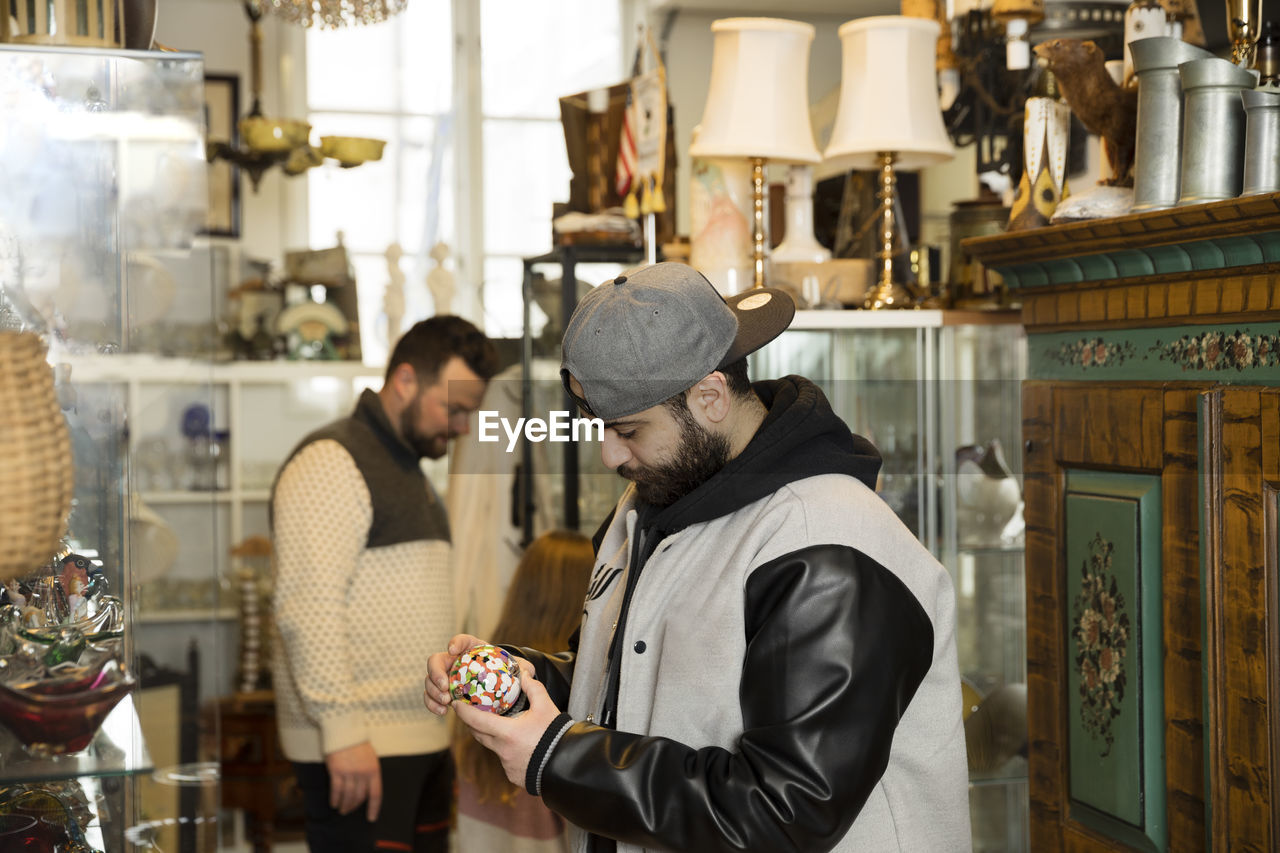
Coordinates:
x,y
399,81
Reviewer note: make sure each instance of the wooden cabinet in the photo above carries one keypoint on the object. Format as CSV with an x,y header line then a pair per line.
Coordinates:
x,y
256,777
1151,454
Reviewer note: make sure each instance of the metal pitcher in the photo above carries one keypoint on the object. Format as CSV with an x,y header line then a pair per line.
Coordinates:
x,y
1157,162
1261,141
1212,129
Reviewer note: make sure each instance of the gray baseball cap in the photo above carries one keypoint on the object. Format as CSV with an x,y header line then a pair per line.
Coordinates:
x,y
648,335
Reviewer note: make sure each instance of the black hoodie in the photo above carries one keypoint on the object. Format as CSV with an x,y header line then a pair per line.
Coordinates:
x,y
800,437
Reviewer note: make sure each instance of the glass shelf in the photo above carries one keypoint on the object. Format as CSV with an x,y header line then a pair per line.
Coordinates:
x,y
184,497
1014,771
990,550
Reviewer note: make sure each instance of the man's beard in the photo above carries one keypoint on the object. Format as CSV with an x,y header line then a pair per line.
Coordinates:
x,y
427,447
699,456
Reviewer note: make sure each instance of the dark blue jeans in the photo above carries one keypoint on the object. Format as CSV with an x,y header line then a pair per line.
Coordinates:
x,y
417,808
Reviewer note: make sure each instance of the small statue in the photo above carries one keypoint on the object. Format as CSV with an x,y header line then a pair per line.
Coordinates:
x,y
13,595
441,281
988,498
75,574
393,295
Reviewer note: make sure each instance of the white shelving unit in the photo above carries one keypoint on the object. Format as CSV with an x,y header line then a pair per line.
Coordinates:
x,y
267,407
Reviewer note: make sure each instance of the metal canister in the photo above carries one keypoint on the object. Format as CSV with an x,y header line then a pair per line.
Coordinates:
x,y
1261,141
1157,159
969,283
1212,129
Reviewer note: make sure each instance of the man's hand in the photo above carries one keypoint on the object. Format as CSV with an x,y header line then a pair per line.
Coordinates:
x,y
355,776
512,739
435,694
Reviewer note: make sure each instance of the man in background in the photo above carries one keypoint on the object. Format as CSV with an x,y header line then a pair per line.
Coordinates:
x,y
363,582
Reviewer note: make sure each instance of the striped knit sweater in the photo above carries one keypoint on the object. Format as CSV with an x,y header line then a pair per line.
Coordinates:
x,y
363,591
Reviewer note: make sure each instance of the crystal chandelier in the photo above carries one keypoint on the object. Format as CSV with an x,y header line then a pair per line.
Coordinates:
x,y
331,14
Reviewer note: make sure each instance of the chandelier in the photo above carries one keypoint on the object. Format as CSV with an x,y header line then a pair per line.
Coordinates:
x,y
331,14
267,142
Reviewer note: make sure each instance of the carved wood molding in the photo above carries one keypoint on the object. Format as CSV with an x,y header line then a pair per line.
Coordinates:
x,y
1215,612
1238,217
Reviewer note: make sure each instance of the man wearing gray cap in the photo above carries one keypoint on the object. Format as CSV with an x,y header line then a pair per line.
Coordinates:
x,y
767,656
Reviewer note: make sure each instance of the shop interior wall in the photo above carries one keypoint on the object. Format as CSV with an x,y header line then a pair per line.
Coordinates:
x,y
688,47
274,217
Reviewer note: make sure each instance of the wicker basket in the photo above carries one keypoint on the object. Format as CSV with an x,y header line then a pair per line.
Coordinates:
x,y
36,472
83,23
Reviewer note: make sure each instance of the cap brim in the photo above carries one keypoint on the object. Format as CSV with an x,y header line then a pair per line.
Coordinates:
x,y
763,313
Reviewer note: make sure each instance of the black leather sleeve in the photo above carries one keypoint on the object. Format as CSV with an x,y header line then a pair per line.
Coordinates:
x,y
555,671
836,647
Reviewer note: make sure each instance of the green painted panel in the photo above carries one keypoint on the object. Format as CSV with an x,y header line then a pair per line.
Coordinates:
x,y
1114,642
1065,271
1238,251
1012,275
1032,275
1097,267
1218,253
1243,354
1205,255
1270,245
1169,258
1131,263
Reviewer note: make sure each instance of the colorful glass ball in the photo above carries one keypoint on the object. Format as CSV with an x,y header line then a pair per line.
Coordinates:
x,y
487,677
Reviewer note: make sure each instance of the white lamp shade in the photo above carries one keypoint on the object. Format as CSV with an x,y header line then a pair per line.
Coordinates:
x,y
888,96
758,102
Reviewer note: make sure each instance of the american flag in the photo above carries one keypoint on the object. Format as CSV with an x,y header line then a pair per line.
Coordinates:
x,y
626,170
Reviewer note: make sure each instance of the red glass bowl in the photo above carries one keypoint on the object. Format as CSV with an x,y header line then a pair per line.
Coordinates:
x,y
42,820
56,716
15,829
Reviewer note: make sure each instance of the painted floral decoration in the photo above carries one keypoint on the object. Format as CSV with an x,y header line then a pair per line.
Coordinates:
x,y
1218,351
1093,352
1101,633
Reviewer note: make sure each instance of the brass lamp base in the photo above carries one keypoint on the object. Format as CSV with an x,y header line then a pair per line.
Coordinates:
x,y
884,294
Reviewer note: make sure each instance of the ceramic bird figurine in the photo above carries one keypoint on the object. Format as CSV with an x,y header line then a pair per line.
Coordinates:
x,y
1104,107
988,498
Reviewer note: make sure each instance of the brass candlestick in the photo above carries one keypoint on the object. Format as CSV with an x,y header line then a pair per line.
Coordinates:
x,y
1244,25
885,294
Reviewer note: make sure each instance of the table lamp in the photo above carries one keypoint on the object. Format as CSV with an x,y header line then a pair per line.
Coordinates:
x,y
888,119
758,103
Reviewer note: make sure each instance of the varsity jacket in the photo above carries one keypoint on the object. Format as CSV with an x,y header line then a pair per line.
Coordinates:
x,y
363,583
768,665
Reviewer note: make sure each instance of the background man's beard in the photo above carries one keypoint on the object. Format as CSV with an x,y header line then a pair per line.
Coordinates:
x,y
426,447
700,455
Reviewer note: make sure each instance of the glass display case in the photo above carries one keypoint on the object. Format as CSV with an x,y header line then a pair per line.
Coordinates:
x,y
104,175
938,392
575,491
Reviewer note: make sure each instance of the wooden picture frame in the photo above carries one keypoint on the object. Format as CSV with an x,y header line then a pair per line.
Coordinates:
x,y
222,112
